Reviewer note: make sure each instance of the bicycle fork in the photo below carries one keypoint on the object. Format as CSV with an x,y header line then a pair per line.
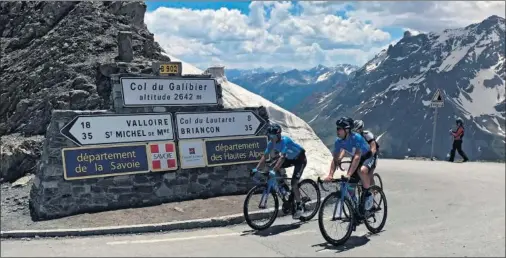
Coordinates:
x,y
265,195
339,206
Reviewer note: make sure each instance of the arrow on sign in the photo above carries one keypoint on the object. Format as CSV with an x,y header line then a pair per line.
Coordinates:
x,y
218,124
104,129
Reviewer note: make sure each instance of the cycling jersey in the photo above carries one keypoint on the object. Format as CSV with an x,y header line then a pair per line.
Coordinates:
x,y
286,146
369,137
353,141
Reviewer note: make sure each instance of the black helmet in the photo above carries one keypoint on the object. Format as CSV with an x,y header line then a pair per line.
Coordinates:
x,y
459,121
274,129
344,122
358,124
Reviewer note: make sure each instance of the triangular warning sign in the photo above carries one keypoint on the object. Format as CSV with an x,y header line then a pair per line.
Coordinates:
x,y
437,96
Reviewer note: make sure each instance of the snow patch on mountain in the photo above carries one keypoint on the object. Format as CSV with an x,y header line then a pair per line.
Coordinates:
x,y
323,77
453,58
478,102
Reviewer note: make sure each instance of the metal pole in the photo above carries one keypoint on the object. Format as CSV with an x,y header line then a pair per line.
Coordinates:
x,y
433,134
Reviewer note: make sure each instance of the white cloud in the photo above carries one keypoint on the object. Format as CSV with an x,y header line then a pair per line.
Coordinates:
x,y
271,35
427,16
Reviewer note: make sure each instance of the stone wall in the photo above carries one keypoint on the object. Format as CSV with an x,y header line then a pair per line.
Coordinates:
x,y
52,196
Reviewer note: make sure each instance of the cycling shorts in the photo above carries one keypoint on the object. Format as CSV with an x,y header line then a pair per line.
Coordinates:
x,y
299,163
367,160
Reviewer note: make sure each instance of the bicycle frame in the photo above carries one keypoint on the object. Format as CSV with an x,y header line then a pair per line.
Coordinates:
x,y
272,183
343,185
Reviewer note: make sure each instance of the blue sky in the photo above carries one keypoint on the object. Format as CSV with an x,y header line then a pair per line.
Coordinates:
x,y
298,34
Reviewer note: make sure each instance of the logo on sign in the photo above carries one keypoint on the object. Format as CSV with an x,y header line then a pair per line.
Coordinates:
x,y
192,150
163,156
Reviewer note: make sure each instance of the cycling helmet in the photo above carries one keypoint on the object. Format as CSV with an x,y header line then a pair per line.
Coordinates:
x,y
344,122
358,124
459,121
274,129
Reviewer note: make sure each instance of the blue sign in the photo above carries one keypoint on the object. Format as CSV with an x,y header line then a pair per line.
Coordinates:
x,y
102,161
231,151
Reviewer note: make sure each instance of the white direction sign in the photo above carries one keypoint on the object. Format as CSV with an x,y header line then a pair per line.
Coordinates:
x,y
104,129
437,100
164,91
218,124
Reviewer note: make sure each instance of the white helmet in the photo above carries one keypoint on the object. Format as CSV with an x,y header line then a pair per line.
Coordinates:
x,y
358,124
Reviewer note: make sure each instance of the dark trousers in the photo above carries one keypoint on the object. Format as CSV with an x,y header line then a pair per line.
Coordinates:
x,y
457,145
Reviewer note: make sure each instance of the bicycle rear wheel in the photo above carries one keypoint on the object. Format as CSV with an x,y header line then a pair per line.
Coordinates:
x,y
377,180
309,201
375,210
347,215
252,217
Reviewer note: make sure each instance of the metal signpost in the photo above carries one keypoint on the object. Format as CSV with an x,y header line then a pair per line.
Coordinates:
x,y
218,124
117,128
436,102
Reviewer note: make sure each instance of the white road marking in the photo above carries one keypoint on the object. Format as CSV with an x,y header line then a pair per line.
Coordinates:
x,y
147,241
170,239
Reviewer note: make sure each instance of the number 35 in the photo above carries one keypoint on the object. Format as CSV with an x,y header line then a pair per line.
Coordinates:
x,y
87,136
248,127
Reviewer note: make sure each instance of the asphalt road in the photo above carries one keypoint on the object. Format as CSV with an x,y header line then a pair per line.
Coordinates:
x,y
434,209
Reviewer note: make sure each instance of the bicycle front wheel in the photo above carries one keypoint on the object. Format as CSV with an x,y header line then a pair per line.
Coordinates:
x,y
268,211
311,198
334,204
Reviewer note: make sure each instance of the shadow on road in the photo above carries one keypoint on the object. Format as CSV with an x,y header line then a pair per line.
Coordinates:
x,y
353,242
274,230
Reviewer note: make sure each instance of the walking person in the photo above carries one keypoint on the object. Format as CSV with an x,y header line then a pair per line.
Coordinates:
x,y
458,134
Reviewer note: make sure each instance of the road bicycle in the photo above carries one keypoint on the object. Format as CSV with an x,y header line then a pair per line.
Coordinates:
x,y
270,184
346,196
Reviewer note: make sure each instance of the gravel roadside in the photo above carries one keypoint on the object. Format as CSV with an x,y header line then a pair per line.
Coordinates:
x,y
15,214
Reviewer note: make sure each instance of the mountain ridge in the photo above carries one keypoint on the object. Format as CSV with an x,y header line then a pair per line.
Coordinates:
x,y
291,87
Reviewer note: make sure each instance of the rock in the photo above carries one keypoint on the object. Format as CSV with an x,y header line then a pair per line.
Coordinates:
x,y
23,181
19,155
37,68
179,209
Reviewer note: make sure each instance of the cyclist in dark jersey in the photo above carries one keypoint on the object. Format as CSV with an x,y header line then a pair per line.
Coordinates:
x,y
358,126
362,161
291,154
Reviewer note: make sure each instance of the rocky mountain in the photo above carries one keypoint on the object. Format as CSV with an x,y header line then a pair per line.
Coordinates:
x,y
60,55
392,93
289,88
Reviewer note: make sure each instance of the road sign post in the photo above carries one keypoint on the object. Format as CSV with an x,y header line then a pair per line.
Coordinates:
x,y
218,124
436,102
117,128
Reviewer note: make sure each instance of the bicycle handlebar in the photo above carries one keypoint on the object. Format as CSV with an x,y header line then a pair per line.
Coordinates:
x,y
334,180
346,161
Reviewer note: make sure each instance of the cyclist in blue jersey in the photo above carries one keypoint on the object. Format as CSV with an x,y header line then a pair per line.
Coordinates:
x,y
363,160
291,154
